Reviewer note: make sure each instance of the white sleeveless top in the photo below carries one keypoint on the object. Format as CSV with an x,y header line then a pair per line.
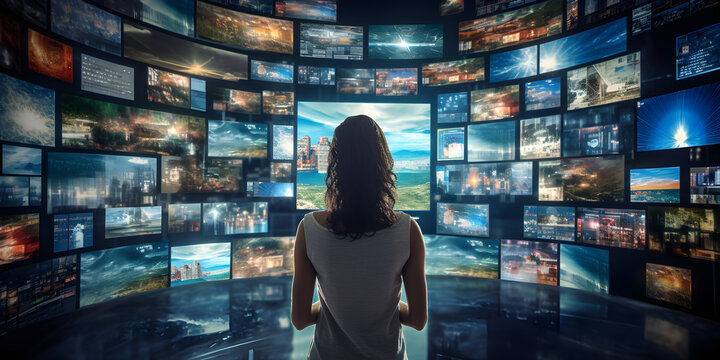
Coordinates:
x,y
359,284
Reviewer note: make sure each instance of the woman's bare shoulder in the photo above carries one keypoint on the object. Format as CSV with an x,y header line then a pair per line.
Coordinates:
x,y
321,216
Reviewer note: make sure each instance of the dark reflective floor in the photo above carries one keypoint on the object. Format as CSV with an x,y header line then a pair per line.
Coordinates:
x,y
468,319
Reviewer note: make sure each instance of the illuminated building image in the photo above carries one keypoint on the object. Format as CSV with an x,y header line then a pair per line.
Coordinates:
x,y
549,223
669,284
235,218
168,88
582,179
396,82
611,227
603,83
506,178
265,256
529,261
184,218
495,103
244,30
511,28
705,185
463,219
454,72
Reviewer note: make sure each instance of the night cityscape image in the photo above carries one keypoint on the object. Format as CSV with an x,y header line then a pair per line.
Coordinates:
x,y
511,179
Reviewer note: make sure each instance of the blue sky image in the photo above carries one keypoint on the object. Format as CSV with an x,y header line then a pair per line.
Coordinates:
x,y
657,177
542,94
230,138
211,256
681,119
17,160
584,47
514,64
406,126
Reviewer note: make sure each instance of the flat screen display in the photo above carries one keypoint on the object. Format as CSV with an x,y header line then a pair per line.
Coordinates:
x,y
86,24
20,160
669,284
14,191
540,137
257,6
49,57
623,228
585,268
543,94
79,181
705,185
454,72
133,221
27,112
355,81
506,178
452,107
511,28
39,291
281,172
94,124
607,82
111,273
451,144
168,88
72,231
184,218
461,256
491,142
529,261
315,75
331,41
657,185
451,7
320,10
177,16
549,223
278,102
513,64
698,52
107,78
246,102
235,218
198,94
190,264
642,19
463,219
396,82
244,30
271,71
34,11
223,175
406,128
686,118
177,54
264,256
600,130
485,7
495,103
237,139
582,179
270,189
583,47
19,237
283,142
405,41
10,42
687,232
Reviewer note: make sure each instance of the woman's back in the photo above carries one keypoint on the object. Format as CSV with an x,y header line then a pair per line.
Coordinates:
x,y
359,284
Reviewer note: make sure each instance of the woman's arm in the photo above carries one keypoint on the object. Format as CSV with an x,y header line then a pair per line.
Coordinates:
x,y
304,312
414,313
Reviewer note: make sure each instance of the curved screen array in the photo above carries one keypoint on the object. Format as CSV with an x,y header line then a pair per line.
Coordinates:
x,y
148,144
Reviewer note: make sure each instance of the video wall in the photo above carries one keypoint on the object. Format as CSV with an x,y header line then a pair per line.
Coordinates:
x,y
148,144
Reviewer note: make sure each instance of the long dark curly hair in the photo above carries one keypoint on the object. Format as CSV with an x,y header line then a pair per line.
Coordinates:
x,y
360,182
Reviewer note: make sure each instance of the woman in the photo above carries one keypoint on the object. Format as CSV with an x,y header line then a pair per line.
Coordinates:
x,y
359,250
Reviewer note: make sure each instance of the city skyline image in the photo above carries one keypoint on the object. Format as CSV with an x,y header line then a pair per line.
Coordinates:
x,y
406,128
202,262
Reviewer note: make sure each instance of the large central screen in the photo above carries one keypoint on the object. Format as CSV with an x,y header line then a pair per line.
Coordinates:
x,y
407,130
